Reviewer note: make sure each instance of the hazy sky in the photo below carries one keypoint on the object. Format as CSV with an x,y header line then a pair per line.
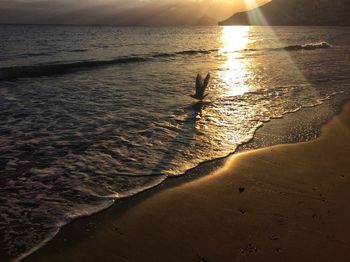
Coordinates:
x,y
120,12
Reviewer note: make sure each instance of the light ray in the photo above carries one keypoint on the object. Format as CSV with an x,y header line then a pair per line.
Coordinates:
x,y
256,17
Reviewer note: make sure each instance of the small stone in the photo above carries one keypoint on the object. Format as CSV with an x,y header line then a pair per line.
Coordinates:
x,y
274,237
250,248
243,211
118,231
241,189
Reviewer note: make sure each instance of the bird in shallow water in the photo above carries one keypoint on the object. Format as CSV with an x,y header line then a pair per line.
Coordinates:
x,y
201,86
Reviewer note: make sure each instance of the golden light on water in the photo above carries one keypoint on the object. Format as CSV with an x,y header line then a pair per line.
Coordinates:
x,y
234,70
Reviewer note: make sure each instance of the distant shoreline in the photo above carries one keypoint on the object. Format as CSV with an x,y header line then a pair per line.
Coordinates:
x,y
110,25
220,24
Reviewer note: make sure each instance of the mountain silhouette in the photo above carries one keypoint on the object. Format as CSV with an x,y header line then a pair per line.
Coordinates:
x,y
295,13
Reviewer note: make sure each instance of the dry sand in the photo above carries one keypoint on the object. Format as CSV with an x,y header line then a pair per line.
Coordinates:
x,y
281,203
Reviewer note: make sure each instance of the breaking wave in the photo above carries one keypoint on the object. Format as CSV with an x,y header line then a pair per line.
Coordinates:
x,y
307,47
312,46
16,72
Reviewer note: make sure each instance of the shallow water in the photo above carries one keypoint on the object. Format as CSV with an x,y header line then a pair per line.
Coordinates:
x,y
92,114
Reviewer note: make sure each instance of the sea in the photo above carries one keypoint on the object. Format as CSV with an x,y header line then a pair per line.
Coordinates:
x,y
93,114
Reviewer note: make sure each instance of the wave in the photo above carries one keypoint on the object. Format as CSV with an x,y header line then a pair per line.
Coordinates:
x,y
197,52
16,72
307,47
11,73
312,46
76,51
185,53
37,54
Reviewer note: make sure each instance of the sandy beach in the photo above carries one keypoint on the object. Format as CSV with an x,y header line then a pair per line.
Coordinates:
x,y
280,203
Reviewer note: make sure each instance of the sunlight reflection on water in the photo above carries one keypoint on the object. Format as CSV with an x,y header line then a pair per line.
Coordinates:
x,y
234,71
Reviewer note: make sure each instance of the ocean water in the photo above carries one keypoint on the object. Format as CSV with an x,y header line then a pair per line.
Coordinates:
x,y
91,114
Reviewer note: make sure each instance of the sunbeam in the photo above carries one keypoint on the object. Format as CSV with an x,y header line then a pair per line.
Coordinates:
x,y
255,16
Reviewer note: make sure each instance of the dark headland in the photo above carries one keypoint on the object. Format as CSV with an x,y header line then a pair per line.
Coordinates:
x,y
295,13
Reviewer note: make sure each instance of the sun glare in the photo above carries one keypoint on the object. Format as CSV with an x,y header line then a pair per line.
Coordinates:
x,y
234,70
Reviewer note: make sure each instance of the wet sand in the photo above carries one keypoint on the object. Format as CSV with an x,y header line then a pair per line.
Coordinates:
x,y
280,203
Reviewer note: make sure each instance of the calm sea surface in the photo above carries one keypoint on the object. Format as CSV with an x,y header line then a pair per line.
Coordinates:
x,y
92,114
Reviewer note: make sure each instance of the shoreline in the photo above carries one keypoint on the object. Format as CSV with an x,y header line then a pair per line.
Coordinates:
x,y
309,119
88,226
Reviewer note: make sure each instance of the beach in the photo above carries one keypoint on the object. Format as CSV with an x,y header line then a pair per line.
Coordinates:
x,y
99,122
285,202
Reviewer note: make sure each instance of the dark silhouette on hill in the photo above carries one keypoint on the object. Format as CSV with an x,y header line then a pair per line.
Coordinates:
x,y
295,13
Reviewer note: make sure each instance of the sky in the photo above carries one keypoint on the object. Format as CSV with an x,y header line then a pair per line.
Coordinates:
x,y
119,12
